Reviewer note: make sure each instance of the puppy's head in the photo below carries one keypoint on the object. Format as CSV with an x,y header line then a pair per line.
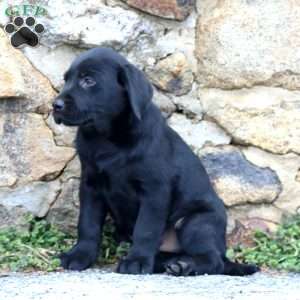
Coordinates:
x,y
99,86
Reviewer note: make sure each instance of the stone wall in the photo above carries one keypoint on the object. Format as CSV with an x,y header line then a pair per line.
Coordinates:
x,y
227,78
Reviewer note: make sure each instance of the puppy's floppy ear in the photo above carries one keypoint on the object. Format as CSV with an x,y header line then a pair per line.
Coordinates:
x,y
139,90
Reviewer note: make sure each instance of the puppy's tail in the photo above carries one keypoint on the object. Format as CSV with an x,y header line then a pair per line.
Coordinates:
x,y
237,269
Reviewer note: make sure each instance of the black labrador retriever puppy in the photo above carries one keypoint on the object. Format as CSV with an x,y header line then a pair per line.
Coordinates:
x,y
137,169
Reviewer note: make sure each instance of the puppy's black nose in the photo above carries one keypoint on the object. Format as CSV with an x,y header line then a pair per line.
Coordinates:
x,y
58,105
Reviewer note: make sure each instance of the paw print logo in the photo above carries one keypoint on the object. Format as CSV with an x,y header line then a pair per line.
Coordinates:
x,y
24,33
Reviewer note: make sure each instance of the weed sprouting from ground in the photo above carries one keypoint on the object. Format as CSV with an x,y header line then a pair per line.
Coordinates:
x,y
279,250
38,247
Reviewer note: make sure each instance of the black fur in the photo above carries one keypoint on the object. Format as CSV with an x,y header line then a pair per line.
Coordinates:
x,y
138,170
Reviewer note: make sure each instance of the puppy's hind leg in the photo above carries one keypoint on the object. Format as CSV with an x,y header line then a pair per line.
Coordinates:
x,y
202,246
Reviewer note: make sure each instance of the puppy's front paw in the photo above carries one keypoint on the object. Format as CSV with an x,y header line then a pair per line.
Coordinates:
x,y
135,265
78,258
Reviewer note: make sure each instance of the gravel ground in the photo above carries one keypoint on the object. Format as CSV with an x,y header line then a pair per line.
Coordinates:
x,y
99,284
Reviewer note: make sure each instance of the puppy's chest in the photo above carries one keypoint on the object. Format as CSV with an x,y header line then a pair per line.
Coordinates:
x,y
108,181
114,185
120,194
101,156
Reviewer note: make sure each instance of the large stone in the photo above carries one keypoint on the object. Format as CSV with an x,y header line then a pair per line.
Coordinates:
x,y
198,134
264,117
65,211
20,80
53,63
236,180
35,198
96,25
28,150
286,167
172,74
245,43
170,9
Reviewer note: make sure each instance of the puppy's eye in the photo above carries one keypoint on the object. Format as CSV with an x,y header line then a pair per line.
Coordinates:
x,y
87,81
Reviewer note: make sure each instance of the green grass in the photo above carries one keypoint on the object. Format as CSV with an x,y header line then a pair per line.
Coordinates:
x,y
280,250
37,247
